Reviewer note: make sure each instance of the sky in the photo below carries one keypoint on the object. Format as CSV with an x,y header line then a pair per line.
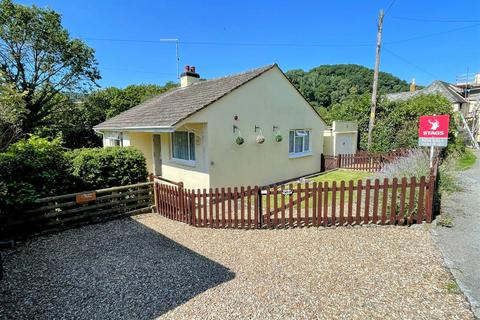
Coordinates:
x,y
425,40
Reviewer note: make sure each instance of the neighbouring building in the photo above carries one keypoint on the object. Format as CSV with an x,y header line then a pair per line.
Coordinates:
x,y
251,128
464,96
449,91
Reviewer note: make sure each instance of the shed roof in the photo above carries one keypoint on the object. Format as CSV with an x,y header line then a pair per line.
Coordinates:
x,y
175,105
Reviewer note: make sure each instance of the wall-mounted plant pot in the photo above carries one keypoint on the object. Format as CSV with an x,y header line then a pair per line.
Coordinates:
x,y
278,138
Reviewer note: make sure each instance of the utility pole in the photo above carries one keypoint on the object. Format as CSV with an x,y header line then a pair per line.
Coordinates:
x,y
373,105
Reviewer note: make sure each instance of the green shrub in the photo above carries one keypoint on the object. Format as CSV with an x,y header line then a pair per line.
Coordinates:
x,y
448,174
32,169
108,167
414,164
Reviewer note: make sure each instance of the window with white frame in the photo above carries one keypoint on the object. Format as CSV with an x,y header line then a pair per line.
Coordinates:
x,y
299,142
183,145
114,139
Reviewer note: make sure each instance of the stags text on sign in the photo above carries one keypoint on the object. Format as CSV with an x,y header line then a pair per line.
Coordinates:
x,y
433,131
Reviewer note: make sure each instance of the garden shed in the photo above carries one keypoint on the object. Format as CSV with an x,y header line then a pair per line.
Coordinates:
x,y
340,138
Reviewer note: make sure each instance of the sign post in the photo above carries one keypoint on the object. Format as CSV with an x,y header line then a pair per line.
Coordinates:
x,y
433,132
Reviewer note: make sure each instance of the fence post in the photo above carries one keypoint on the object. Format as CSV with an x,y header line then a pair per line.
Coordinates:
x,y
155,197
260,209
339,161
430,199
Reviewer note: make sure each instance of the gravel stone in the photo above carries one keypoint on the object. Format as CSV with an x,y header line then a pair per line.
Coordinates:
x,y
148,266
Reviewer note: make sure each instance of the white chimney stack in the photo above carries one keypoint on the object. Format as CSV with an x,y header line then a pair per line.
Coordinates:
x,y
189,76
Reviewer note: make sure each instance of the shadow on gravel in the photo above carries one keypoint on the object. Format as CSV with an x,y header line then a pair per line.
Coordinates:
x,y
117,270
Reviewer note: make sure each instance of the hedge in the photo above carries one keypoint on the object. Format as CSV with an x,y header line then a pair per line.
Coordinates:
x,y
36,167
32,169
107,167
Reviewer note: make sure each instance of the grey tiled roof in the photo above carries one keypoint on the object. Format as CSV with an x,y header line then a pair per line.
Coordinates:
x,y
437,87
177,104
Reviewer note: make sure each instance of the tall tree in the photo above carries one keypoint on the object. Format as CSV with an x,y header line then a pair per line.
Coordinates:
x,y
41,60
76,116
12,112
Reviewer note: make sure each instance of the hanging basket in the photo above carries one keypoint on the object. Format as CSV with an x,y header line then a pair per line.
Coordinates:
x,y
278,137
260,138
239,140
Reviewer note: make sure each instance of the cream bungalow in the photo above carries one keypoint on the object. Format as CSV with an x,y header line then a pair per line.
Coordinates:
x,y
252,128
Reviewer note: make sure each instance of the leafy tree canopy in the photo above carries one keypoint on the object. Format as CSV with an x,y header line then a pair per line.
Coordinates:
x,y
40,60
12,112
114,101
396,122
327,85
77,115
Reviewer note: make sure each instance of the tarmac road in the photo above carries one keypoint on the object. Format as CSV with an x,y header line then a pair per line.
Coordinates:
x,y
460,244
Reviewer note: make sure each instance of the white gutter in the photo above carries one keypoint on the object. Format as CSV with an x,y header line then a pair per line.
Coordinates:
x,y
138,129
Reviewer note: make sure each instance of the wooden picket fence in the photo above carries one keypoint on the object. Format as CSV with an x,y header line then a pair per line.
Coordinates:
x,y
362,161
53,214
404,201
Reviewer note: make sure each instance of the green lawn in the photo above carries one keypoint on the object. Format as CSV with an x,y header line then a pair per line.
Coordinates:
x,y
339,175
466,160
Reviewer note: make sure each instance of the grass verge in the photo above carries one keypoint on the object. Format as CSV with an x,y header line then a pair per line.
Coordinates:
x,y
466,160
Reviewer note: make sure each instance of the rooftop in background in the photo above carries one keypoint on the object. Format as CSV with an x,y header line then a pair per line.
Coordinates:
x,y
449,91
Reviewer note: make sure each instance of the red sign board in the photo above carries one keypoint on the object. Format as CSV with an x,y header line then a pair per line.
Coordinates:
x,y
433,131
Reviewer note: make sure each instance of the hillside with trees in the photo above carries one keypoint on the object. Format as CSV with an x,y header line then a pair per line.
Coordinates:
x,y
327,85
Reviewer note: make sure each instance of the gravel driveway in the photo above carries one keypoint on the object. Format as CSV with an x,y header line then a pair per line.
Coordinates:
x,y
149,267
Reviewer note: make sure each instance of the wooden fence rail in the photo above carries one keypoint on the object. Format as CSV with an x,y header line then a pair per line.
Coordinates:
x,y
362,161
396,201
62,212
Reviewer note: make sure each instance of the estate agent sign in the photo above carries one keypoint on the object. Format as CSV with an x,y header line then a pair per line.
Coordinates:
x,y
433,131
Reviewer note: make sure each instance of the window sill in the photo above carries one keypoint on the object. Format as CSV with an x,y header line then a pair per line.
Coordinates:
x,y
299,154
188,163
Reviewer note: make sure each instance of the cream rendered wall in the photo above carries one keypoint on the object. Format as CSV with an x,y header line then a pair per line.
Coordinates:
x,y
265,101
328,142
143,141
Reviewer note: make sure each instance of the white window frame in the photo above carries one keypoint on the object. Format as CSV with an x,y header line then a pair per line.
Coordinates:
x,y
305,152
112,141
190,163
